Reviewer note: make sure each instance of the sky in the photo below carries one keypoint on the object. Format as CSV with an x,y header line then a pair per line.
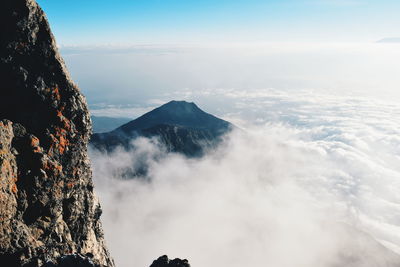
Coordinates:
x,y
305,79
188,21
139,53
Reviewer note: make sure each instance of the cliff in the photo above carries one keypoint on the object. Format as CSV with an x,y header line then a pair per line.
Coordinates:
x,y
47,205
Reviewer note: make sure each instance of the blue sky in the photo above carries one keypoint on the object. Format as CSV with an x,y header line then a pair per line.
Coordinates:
x,y
189,21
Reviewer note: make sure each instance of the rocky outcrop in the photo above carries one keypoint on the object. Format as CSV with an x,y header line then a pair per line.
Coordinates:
x,y
47,205
163,261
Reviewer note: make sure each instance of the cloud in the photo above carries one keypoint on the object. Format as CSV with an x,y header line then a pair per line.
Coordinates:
x,y
275,196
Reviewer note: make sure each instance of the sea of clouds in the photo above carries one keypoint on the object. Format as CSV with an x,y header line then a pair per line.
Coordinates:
x,y
306,176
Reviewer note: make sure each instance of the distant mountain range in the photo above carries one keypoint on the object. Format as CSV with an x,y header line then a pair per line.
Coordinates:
x,y
181,126
390,40
106,124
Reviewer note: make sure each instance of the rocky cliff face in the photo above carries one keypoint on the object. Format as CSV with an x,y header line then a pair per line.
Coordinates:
x,y
47,205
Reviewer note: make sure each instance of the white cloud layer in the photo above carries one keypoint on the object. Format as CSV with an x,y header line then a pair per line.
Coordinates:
x,y
273,196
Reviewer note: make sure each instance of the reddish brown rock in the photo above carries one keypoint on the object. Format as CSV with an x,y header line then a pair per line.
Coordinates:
x,y
47,205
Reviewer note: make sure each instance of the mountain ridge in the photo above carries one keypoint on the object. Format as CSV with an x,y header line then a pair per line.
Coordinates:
x,y
389,40
177,113
181,126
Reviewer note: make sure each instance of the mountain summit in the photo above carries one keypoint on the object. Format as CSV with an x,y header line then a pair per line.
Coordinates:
x,y
181,126
180,114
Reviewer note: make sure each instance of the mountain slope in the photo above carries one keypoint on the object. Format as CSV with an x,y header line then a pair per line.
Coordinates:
x,y
47,205
389,40
181,126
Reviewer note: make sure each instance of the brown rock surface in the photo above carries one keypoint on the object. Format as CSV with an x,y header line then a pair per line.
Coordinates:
x,y
47,205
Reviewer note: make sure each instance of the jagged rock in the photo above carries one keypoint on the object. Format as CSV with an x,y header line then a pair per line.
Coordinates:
x,y
163,261
74,260
47,205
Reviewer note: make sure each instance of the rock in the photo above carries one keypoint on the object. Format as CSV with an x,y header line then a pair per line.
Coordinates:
x,y
163,261
74,260
47,205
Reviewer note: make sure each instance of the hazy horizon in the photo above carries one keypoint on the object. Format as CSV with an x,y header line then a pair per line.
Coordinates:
x,y
129,80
